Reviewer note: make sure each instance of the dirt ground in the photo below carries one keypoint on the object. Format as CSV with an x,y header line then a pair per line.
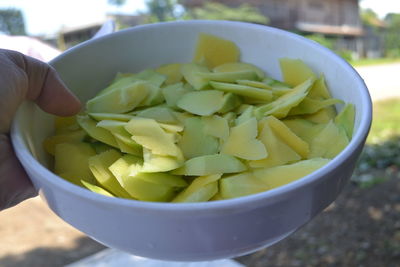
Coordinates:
x,y
33,236
361,228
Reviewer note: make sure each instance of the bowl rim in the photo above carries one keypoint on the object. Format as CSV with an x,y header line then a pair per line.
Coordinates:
x,y
29,162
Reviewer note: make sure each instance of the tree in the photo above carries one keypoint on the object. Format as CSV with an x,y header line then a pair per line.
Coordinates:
x,y
217,11
369,17
162,10
117,2
392,36
12,22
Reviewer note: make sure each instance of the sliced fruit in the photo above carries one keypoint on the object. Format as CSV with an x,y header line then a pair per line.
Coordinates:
x,y
50,142
310,106
324,115
243,90
96,189
240,66
149,134
216,126
245,115
160,114
121,99
202,103
160,163
289,137
173,93
230,101
99,165
279,153
295,71
214,51
71,160
211,164
144,190
98,133
152,76
241,184
319,90
110,116
281,106
201,189
330,141
228,76
253,83
281,175
172,72
243,143
345,119
195,142
124,166
65,124
305,129
190,72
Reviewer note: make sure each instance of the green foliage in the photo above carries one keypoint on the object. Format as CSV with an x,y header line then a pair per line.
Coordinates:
x,y
373,61
161,10
322,40
217,11
386,122
369,17
392,35
330,44
12,22
117,2
381,154
345,54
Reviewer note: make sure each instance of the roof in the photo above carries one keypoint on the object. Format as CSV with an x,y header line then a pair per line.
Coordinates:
x,y
330,29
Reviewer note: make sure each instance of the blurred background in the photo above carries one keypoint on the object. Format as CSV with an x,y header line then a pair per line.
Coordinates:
x,y
361,228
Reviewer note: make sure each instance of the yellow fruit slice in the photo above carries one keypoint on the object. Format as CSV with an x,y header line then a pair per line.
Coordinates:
x,y
243,143
201,189
172,72
99,166
281,106
149,134
295,71
241,184
345,119
71,161
279,153
214,51
330,141
211,164
281,175
289,137
50,142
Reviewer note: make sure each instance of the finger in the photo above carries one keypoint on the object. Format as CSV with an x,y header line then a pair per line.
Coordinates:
x,y
55,98
46,88
15,185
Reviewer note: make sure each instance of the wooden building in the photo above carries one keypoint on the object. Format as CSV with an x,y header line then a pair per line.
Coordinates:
x,y
336,19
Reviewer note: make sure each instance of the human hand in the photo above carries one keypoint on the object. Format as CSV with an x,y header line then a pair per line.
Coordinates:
x,y
25,78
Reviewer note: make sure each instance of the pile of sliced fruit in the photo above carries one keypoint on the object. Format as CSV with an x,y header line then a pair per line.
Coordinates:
x,y
213,129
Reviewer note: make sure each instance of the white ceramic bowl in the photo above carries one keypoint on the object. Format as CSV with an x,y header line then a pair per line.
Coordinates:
x,y
199,231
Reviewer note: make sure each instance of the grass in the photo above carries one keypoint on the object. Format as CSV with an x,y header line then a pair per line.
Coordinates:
x,y
380,155
386,120
374,61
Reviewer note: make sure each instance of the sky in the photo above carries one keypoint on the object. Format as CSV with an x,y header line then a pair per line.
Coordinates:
x,y
50,16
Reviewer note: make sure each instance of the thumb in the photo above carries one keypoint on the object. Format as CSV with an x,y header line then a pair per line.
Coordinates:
x,y
46,88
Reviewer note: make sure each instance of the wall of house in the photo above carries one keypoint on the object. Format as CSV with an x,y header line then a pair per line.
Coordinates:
x,y
330,12
338,20
287,13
